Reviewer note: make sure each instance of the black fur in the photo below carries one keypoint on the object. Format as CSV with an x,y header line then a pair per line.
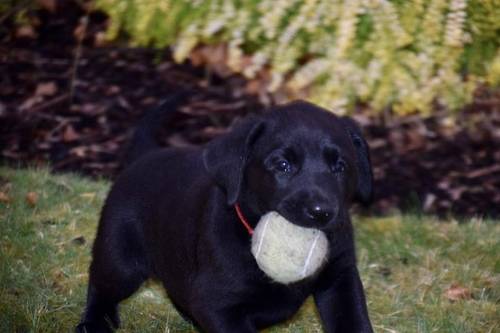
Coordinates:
x,y
170,216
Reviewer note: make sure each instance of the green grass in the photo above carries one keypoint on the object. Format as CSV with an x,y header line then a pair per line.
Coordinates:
x,y
408,265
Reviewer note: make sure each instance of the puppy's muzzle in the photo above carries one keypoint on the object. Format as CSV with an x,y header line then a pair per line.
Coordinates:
x,y
310,210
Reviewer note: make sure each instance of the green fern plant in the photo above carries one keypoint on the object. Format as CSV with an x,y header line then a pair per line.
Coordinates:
x,y
407,55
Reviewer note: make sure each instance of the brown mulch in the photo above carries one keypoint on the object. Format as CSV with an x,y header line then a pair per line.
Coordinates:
x,y
78,118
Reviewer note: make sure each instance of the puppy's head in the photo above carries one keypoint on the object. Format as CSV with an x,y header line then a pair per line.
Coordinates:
x,y
299,160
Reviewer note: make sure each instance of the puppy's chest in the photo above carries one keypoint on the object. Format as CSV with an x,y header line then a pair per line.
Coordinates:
x,y
275,294
269,306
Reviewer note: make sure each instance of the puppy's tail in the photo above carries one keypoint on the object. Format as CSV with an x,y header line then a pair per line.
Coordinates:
x,y
144,138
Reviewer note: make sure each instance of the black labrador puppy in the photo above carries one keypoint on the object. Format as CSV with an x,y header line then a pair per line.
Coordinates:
x,y
171,216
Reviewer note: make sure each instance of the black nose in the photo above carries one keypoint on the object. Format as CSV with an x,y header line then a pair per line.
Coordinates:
x,y
319,213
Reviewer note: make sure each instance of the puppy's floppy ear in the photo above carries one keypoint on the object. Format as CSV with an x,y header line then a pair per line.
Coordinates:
x,y
364,192
225,157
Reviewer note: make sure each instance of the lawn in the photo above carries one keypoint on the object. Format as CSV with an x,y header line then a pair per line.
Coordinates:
x,y
420,274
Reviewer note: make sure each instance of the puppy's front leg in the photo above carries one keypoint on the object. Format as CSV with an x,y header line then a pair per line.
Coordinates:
x,y
341,302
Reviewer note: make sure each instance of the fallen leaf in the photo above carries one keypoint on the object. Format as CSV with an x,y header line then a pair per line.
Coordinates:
x,y
123,103
58,278
456,292
88,195
25,31
91,109
384,271
80,151
5,185
100,39
46,89
30,102
81,29
177,140
113,90
484,171
80,240
50,5
429,202
149,100
197,57
32,198
457,192
253,87
4,198
70,134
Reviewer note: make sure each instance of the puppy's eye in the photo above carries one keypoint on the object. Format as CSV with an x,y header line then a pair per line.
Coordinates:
x,y
284,166
339,166
281,161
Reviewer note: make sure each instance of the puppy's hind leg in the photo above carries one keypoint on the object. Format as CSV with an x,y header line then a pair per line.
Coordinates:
x,y
119,267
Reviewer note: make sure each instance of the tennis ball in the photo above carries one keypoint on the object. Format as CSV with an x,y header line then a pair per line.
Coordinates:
x,y
287,252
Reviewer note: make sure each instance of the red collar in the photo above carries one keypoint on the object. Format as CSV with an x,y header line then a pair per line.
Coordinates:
x,y
243,220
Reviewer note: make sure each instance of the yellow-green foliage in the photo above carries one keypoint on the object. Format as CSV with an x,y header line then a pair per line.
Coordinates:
x,y
400,54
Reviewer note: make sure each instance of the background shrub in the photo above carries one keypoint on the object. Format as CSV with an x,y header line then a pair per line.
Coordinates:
x,y
407,55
